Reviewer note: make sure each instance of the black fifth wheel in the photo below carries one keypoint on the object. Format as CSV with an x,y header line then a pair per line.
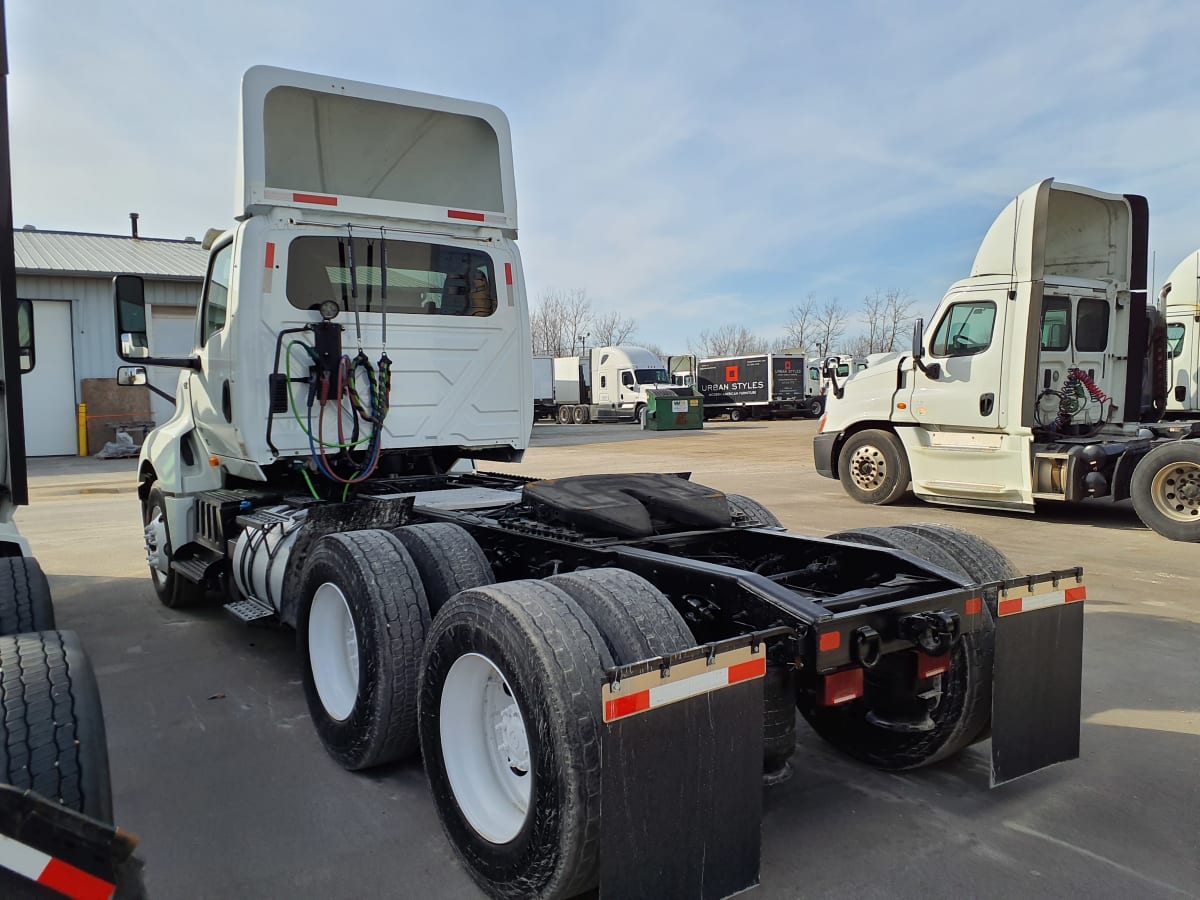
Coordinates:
x,y
893,726
510,723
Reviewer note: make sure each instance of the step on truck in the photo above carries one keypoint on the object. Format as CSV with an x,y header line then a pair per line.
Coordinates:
x,y
570,657
1042,378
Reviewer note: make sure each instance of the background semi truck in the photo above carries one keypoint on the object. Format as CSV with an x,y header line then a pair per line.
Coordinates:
x,y
606,384
568,655
758,385
543,388
1042,377
1181,296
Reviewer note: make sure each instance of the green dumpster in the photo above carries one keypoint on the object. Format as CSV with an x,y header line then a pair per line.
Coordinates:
x,y
673,409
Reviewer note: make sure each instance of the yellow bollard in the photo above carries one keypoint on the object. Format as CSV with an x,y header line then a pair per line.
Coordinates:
x,y
81,420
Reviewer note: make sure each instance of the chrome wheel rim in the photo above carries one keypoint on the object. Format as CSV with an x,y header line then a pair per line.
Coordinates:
x,y
1175,491
868,468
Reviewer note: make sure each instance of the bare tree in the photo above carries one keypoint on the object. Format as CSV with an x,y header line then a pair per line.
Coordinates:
x,y
875,318
801,325
612,329
727,340
559,321
898,316
830,326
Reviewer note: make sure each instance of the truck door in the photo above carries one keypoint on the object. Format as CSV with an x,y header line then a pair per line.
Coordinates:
x,y
1075,334
1183,355
628,395
213,394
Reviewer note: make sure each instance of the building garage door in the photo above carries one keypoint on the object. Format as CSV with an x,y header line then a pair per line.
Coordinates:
x,y
49,388
173,333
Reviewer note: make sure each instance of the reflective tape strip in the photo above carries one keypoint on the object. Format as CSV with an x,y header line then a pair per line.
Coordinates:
x,y
1039,598
269,268
691,679
466,216
52,873
508,280
315,199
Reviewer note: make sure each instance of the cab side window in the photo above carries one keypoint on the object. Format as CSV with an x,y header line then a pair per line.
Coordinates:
x,y
1175,332
1091,324
216,293
25,335
965,329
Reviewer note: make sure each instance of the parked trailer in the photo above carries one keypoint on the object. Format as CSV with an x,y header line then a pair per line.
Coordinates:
x,y
1181,297
759,385
541,642
1042,378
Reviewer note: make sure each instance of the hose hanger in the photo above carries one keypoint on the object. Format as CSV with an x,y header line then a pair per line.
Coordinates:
x,y
353,284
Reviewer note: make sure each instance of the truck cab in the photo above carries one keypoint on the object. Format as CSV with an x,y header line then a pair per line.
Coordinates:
x,y
1182,295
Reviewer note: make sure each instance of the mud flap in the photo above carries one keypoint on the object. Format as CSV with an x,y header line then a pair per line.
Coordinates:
x,y
1037,678
681,775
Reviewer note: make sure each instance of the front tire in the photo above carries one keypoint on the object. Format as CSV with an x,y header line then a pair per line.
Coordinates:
x,y
361,628
52,740
873,467
173,590
24,597
510,733
963,714
1165,490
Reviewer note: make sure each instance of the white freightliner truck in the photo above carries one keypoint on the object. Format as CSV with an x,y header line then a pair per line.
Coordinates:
x,y
1181,295
574,656
606,384
1042,376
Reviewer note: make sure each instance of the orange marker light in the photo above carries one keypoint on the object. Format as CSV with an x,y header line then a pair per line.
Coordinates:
x,y
901,406
830,640
214,461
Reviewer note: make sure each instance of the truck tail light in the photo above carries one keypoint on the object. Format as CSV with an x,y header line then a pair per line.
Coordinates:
x,y
841,687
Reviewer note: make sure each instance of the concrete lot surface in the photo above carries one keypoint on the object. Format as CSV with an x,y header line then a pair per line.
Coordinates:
x,y
218,770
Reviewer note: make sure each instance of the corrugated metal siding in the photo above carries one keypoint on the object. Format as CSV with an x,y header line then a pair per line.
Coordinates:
x,y
59,252
92,318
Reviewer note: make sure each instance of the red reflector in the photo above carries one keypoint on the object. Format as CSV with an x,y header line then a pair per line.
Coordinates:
x,y
270,255
316,199
461,214
1009,607
841,687
508,274
72,882
928,666
755,668
1076,594
627,706
974,606
830,640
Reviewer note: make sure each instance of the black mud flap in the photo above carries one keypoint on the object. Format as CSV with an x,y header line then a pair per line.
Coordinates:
x,y
47,850
681,775
1037,678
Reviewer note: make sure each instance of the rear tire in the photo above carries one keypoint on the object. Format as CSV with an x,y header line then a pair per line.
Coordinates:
x,y
448,559
752,512
53,741
634,617
816,407
1165,490
361,626
736,415
510,734
24,597
873,467
580,415
963,716
564,415
173,590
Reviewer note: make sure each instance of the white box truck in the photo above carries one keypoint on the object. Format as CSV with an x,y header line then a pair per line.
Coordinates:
x,y
758,385
1042,377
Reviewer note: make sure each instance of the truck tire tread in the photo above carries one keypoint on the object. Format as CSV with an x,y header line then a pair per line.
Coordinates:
x,y
753,510
448,559
25,603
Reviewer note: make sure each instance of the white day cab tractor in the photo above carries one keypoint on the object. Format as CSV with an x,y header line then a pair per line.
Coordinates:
x,y
564,653
1043,377
1180,297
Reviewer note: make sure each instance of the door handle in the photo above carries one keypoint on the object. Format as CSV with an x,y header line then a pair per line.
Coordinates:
x,y
986,402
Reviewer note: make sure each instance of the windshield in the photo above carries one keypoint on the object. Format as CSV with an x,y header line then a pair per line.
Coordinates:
x,y
651,376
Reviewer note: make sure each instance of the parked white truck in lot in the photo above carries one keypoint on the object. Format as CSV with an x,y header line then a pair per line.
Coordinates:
x,y
571,656
606,384
1182,295
1041,377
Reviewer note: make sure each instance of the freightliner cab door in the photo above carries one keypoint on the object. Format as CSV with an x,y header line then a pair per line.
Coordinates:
x,y
960,453
213,386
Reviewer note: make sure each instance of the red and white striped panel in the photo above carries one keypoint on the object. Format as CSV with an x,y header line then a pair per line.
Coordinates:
x,y
1016,600
52,873
691,679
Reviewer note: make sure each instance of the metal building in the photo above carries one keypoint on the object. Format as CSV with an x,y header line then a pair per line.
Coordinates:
x,y
67,277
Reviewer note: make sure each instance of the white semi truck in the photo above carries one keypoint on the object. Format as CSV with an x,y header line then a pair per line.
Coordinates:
x,y
570,656
1042,377
1181,296
606,384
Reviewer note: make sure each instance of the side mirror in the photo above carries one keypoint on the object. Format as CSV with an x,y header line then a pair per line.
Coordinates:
x,y
129,300
131,375
918,343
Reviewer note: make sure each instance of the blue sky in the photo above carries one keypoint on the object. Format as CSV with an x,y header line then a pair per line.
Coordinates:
x,y
688,164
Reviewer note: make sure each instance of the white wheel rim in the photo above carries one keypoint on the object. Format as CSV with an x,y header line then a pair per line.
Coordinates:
x,y
485,747
1175,490
333,651
157,551
868,468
